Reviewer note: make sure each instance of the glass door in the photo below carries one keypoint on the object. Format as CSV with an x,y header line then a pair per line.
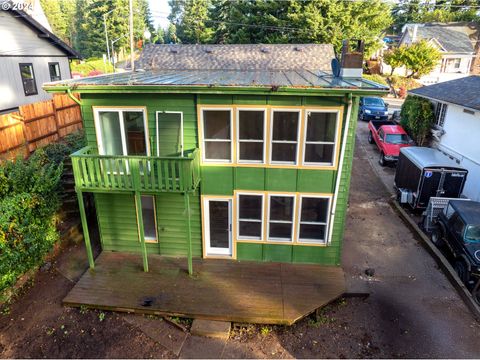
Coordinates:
x,y
218,227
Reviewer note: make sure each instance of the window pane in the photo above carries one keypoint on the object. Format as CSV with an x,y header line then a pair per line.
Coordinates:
x,y
284,152
250,207
252,151
217,150
314,232
281,208
28,79
110,131
148,214
250,229
283,231
135,133
251,125
285,125
219,224
216,124
314,209
26,71
54,69
321,126
319,153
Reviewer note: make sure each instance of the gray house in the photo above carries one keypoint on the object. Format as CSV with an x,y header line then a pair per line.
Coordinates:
x,y
30,55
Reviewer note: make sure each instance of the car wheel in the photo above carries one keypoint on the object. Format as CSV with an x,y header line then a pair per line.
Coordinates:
x,y
476,292
382,160
462,271
370,137
437,237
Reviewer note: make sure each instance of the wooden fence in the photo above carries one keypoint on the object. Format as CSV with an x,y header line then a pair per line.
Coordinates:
x,y
38,124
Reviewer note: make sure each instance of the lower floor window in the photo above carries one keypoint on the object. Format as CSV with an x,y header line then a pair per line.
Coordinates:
x,y
280,219
250,216
313,219
149,221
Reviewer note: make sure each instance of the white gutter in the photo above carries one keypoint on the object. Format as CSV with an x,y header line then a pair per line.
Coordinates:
x,y
339,170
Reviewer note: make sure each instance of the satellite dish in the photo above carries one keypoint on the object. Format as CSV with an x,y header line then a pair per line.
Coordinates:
x,y
336,67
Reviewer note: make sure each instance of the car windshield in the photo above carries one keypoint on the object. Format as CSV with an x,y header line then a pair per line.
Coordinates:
x,y
398,139
473,233
374,102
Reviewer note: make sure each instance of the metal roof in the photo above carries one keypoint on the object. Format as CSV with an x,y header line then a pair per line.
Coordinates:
x,y
236,57
425,157
223,78
464,92
468,210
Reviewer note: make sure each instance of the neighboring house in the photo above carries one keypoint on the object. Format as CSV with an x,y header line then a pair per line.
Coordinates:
x,y
30,55
457,42
457,128
222,151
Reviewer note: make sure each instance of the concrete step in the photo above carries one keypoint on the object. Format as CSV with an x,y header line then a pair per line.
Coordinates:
x,y
210,328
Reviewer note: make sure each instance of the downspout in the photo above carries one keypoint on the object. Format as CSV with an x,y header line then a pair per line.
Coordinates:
x,y
70,95
340,169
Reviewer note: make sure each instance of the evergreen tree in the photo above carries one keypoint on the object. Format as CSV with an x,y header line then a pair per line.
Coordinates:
x,y
61,17
194,22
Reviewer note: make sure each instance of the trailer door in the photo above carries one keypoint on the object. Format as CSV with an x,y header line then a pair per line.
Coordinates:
x,y
428,186
453,183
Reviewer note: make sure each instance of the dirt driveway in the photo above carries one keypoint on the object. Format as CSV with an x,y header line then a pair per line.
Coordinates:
x,y
412,310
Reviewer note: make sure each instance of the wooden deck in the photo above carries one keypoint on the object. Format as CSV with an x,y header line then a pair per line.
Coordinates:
x,y
267,293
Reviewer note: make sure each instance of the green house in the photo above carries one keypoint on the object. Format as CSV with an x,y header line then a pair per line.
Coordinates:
x,y
241,152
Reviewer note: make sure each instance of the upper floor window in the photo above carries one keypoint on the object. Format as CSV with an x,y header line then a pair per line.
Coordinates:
x,y
54,69
28,79
217,135
285,131
440,111
320,136
251,136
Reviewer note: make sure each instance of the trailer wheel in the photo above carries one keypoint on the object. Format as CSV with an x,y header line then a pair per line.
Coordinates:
x,y
370,137
437,237
476,292
462,271
382,160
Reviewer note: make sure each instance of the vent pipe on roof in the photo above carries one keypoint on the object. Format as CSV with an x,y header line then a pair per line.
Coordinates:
x,y
351,62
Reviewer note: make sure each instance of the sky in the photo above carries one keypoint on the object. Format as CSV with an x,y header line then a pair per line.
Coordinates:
x,y
160,11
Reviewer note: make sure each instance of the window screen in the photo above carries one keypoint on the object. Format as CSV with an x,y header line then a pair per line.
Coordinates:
x,y
285,136
281,218
251,135
250,210
217,135
313,219
320,137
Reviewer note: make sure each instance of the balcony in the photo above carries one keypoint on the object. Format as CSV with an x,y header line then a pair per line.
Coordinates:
x,y
102,173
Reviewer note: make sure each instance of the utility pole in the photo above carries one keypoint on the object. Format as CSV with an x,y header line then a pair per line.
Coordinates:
x,y
106,32
132,61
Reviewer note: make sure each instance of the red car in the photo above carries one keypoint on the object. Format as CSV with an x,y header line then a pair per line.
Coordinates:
x,y
390,138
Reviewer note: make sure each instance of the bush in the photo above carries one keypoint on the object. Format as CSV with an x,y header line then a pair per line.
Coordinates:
x,y
92,65
376,78
29,200
417,117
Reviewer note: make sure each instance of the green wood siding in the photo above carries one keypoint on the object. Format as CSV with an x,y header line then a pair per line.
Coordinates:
x,y
116,213
117,222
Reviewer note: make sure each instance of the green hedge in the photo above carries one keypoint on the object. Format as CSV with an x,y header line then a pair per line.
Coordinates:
x,y
29,200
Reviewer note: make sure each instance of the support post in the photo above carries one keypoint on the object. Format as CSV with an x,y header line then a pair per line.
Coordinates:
x,y
141,231
86,235
189,233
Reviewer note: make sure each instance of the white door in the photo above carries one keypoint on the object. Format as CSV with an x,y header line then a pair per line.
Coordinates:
x,y
218,226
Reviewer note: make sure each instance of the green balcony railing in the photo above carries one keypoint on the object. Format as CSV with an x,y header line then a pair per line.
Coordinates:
x,y
95,172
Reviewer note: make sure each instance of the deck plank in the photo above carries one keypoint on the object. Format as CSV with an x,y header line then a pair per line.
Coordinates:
x,y
268,293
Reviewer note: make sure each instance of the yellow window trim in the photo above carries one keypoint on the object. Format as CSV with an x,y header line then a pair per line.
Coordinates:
x,y
269,109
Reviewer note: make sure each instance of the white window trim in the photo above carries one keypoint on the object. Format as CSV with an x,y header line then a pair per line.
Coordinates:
x,y
202,130
297,142
119,110
157,133
239,161
262,221
334,143
292,222
212,252
299,219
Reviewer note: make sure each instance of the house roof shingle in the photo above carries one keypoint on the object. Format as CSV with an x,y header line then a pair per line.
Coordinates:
x,y
451,38
237,57
464,92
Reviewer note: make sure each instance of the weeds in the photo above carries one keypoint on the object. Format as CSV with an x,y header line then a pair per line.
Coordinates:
x,y
101,316
83,309
265,330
